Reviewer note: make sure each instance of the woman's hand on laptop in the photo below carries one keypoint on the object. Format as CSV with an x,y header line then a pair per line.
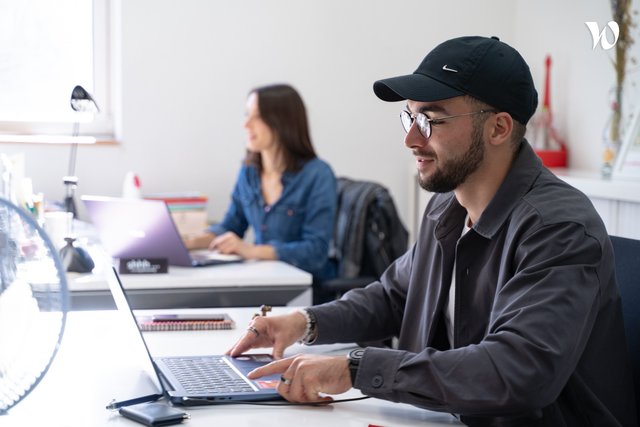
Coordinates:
x,y
278,332
231,243
199,241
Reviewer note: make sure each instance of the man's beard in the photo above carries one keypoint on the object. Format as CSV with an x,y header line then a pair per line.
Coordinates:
x,y
454,172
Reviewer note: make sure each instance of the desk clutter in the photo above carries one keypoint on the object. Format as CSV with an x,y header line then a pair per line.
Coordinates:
x,y
188,210
140,265
181,322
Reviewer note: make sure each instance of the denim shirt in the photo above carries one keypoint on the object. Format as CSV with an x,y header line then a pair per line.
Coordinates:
x,y
299,225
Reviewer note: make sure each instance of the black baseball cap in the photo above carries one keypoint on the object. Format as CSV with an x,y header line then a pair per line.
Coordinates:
x,y
482,67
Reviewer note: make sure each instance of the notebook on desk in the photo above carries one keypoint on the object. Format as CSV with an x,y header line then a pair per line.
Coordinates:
x,y
197,380
138,228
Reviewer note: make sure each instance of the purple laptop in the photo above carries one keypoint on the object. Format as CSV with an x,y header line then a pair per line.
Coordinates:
x,y
138,228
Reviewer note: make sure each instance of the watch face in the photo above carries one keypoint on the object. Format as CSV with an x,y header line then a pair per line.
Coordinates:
x,y
356,354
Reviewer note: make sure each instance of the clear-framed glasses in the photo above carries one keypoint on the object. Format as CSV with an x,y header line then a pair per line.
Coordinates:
x,y
425,123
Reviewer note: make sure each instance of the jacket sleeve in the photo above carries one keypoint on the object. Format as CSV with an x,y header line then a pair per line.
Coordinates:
x,y
367,314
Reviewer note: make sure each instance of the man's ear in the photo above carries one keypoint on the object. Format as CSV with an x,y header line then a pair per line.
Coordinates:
x,y
501,129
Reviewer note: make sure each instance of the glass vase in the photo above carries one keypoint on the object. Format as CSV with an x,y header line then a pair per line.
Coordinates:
x,y
610,142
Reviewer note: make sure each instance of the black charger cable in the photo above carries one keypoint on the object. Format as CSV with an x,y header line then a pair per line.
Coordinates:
x,y
113,405
195,400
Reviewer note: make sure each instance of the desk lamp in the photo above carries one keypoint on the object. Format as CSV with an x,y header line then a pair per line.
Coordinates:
x,y
82,102
74,258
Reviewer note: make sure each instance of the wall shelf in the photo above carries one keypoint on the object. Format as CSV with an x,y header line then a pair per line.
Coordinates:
x,y
616,200
593,185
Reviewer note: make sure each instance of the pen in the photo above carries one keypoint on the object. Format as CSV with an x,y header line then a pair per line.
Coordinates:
x,y
148,398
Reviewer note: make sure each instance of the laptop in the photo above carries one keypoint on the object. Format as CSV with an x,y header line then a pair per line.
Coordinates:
x,y
139,228
197,380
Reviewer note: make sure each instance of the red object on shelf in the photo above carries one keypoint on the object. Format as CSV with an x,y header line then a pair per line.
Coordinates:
x,y
550,158
553,158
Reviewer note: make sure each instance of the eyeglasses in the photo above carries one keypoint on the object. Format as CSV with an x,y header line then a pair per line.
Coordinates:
x,y
425,124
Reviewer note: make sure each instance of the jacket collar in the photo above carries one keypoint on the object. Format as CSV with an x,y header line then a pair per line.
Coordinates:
x,y
524,171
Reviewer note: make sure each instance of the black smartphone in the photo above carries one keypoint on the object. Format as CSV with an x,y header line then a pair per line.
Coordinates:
x,y
187,317
154,414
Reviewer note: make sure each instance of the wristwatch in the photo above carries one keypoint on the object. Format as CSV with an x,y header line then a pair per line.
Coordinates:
x,y
353,359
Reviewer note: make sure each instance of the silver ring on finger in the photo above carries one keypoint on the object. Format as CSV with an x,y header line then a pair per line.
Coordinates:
x,y
285,381
254,330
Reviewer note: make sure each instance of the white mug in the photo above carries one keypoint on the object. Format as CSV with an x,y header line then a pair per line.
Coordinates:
x,y
58,226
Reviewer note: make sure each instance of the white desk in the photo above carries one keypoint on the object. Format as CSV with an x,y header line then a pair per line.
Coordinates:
x,y
244,284
93,366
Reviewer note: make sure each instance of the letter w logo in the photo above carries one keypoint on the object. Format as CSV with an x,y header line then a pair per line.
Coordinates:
x,y
601,36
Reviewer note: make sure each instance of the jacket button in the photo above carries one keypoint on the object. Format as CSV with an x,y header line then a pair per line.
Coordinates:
x,y
377,381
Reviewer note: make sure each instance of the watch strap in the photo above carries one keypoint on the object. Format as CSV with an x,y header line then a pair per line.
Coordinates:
x,y
353,359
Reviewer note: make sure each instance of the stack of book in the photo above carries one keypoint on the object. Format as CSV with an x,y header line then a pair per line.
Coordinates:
x,y
189,211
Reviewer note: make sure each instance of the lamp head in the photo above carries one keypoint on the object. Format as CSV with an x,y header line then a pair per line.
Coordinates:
x,y
82,101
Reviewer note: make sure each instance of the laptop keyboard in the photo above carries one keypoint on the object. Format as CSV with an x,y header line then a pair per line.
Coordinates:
x,y
207,375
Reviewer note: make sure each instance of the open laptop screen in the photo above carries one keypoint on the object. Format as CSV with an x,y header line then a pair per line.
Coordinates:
x,y
168,380
140,228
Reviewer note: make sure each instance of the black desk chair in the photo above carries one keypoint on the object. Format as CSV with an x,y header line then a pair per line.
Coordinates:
x,y
368,236
627,254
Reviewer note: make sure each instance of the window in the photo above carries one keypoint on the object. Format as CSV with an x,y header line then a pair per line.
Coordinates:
x,y
46,49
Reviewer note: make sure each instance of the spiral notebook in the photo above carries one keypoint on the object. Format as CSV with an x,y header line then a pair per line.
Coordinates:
x,y
194,322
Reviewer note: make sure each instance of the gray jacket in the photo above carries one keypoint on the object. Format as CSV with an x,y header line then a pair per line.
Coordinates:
x,y
368,234
538,334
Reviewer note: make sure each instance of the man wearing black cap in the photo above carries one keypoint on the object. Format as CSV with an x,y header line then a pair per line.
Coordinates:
x,y
506,308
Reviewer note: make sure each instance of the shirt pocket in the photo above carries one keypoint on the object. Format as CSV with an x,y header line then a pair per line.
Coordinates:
x,y
285,223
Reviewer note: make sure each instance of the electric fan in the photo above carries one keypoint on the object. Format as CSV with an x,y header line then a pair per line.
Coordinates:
x,y
33,304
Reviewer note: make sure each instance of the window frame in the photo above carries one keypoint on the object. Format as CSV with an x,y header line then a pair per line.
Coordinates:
x,y
102,126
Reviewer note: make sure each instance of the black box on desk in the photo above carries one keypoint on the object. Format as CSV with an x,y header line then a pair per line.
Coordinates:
x,y
142,265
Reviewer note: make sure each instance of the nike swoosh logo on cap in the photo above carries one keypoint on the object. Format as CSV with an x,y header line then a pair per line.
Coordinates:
x,y
444,67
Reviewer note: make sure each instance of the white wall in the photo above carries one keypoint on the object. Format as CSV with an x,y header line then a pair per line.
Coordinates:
x,y
186,67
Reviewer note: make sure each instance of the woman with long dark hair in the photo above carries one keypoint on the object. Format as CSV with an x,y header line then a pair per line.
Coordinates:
x,y
283,191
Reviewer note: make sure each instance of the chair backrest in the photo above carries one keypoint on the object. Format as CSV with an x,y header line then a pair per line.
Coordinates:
x,y
368,233
627,262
